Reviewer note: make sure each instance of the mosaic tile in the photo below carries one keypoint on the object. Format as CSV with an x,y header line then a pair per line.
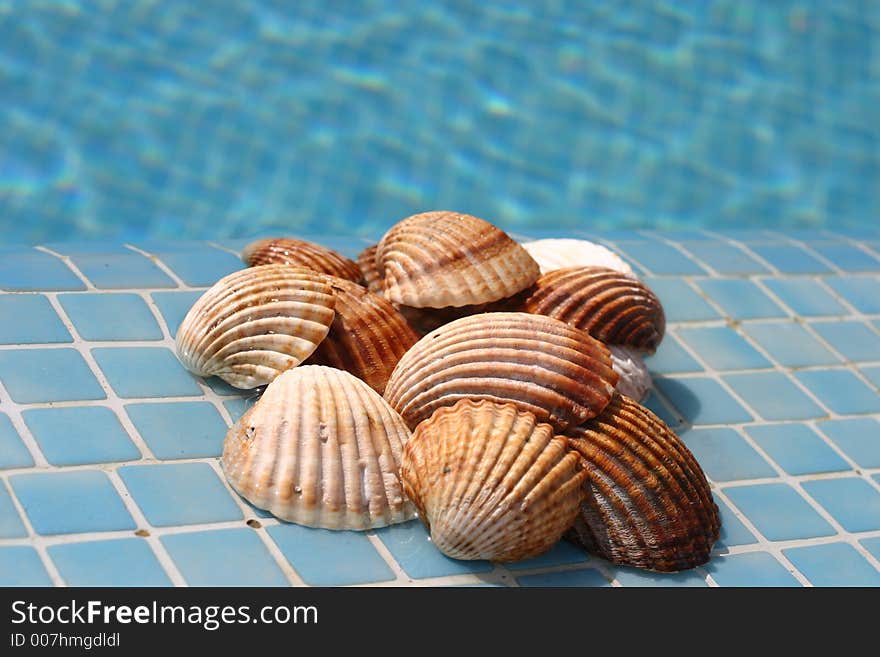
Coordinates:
x,y
790,344
681,303
872,374
797,449
122,562
773,396
660,258
671,358
805,296
174,306
79,435
121,270
872,545
790,259
201,268
569,578
724,258
833,564
178,430
752,569
733,531
723,349
859,438
145,372
563,553
740,298
863,292
409,544
36,271
855,340
20,565
118,316
852,501
702,401
724,455
13,453
35,320
841,391
846,257
653,403
11,525
778,512
237,407
30,376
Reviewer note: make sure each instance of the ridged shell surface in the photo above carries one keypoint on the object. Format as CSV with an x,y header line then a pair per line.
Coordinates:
x,y
425,320
255,323
370,274
609,305
439,259
491,482
648,503
634,379
300,253
367,337
542,365
320,448
553,254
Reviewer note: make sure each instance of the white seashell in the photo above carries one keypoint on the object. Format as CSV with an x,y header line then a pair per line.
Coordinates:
x,y
634,379
551,254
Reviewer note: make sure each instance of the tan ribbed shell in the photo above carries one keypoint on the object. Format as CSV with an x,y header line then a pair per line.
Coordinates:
x,y
544,366
648,503
553,254
300,253
255,323
439,259
370,274
490,482
320,448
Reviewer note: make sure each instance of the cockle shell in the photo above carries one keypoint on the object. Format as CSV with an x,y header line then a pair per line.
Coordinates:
x,y
370,274
439,259
367,336
648,503
609,305
490,482
425,320
255,323
553,254
543,366
300,253
634,379
320,448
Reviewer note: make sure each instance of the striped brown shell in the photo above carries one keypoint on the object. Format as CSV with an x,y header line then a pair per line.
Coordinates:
x,y
370,274
542,365
490,482
439,259
609,305
648,503
425,320
367,336
301,253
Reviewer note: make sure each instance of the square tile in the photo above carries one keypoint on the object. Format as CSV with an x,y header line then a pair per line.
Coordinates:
x,y
174,306
660,258
872,545
805,296
80,434
863,292
223,557
779,512
790,259
671,358
410,546
20,565
740,298
659,408
121,270
855,340
859,438
723,349
118,316
752,569
681,303
724,455
145,372
30,319
71,502
323,557
725,258
179,494
35,270
733,531
833,564
790,344
841,391
852,501
179,430
13,453
11,525
634,577
31,376
797,449
237,407
562,553
846,257
201,268
872,374
569,578
122,562
86,247
773,396
702,401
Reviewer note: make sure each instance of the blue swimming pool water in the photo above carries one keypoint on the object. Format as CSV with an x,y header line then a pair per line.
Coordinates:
x,y
136,119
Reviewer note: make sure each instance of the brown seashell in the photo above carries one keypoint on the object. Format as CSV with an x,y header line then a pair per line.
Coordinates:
x,y
255,323
370,273
490,482
300,253
542,365
320,448
425,320
439,259
367,337
648,503
610,306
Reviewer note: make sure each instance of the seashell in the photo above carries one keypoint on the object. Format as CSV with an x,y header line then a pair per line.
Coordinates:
x,y
490,482
300,253
648,503
634,379
370,274
439,259
608,305
322,449
553,254
367,337
255,323
542,365
425,320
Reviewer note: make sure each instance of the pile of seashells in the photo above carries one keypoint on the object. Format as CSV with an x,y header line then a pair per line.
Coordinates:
x,y
492,388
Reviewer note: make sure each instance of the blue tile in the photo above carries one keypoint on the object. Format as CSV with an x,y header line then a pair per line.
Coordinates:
x,y
223,557
569,578
723,349
859,438
749,235
145,372
11,525
36,271
201,268
733,531
111,316
237,407
790,259
20,565
13,453
323,557
841,390
797,449
660,258
805,296
35,320
653,403
174,306
846,257
681,303
121,270
634,577
123,562
179,430
779,512
78,247
410,545
852,501
833,564
872,545
31,375
863,292
740,298
855,340
702,401
80,434
790,344
220,386
773,396
561,554
179,494
71,502
753,569
671,357
724,455
872,374
725,258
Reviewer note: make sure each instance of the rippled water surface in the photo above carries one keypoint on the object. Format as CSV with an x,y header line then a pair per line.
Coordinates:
x,y
156,118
